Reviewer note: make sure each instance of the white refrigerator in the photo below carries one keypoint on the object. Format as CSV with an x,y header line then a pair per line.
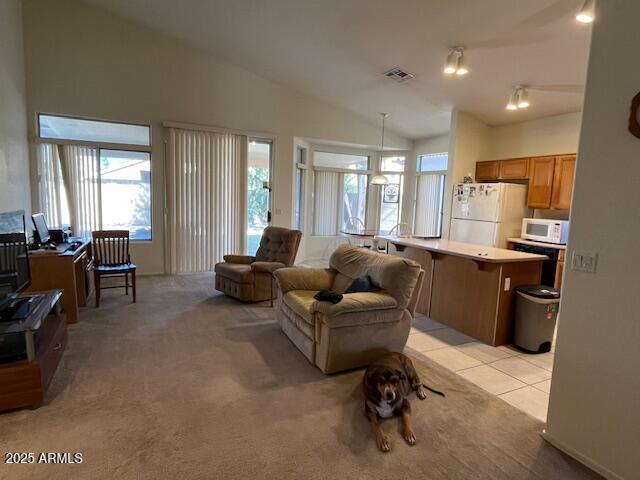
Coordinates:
x,y
487,213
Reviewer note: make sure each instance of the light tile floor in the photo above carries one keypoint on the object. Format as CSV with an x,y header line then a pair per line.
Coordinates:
x,y
520,379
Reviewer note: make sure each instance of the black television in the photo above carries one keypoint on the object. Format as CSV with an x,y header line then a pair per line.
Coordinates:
x,y
15,275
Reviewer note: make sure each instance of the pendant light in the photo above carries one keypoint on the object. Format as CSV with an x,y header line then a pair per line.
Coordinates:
x,y
378,178
587,13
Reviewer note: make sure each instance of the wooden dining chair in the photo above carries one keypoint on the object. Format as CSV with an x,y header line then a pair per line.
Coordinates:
x,y
111,259
12,245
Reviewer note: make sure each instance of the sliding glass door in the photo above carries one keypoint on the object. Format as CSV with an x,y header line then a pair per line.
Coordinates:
x,y
258,191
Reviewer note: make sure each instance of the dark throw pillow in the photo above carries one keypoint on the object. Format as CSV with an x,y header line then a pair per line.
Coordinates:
x,y
360,284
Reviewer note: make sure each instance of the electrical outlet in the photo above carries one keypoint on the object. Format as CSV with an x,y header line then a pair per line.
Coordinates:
x,y
583,261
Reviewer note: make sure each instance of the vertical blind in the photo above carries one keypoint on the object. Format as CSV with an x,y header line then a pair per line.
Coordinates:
x,y
325,205
81,172
206,189
53,199
429,204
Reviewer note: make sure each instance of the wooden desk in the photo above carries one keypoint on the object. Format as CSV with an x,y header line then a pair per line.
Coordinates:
x,y
68,271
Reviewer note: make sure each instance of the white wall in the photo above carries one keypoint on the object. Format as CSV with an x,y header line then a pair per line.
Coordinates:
x,y
594,409
469,143
544,136
83,61
14,156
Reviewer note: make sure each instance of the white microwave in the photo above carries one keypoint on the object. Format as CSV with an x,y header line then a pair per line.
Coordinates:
x,y
541,230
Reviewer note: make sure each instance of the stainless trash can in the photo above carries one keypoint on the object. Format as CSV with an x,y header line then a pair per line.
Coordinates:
x,y
536,313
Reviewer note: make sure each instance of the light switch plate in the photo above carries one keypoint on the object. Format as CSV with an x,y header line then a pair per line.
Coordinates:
x,y
584,261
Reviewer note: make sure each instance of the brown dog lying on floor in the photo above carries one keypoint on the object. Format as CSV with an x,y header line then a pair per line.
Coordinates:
x,y
387,383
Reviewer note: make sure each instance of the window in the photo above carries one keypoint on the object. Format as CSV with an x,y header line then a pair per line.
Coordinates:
x,y
391,194
95,175
391,202
125,186
340,193
434,162
430,194
340,161
298,207
392,164
354,198
94,131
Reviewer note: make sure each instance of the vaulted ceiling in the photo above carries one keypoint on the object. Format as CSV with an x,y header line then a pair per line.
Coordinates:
x,y
337,50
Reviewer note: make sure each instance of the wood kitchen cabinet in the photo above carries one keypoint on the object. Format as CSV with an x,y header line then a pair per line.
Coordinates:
x,y
487,171
564,172
515,169
541,173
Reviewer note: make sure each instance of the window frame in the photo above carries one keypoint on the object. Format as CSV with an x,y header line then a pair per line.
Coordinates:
x,y
402,175
310,165
420,173
99,146
110,145
300,166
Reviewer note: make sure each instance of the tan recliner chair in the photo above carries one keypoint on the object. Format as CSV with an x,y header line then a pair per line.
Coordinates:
x,y
248,278
362,326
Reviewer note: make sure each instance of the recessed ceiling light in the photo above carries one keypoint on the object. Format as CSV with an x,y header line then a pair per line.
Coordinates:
x,y
587,13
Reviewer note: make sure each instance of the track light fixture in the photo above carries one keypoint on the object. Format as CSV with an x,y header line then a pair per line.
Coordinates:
x,y
587,13
518,99
455,62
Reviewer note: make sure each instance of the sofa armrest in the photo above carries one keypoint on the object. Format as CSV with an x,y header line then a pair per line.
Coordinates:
x,y
245,259
266,267
357,302
297,278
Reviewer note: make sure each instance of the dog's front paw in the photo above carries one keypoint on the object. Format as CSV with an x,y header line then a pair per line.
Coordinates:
x,y
409,437
421,393
383,444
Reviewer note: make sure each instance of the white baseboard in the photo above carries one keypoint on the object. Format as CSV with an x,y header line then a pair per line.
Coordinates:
x,y
593,465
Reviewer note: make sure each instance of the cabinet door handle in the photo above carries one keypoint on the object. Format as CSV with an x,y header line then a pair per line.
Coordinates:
x,y
57,346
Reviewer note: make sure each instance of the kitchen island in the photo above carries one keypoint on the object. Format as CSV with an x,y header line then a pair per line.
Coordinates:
x,y
469,287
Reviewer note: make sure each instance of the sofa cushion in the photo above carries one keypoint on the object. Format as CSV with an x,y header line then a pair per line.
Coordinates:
x,y
357,302
301,302
238,272
278,245
396,275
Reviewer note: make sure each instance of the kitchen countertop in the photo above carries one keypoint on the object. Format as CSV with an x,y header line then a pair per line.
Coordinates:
x,y
466,250
537,244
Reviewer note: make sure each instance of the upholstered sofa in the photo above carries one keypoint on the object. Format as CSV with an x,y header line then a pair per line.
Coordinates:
x,y
248,278
363,325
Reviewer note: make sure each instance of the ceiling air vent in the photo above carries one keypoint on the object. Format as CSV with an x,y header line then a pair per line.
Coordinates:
x,y
398,75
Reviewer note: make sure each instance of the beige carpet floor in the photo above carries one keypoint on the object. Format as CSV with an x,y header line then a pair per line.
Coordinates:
x,y
188,384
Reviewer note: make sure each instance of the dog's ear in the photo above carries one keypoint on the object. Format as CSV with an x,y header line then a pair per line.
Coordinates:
x,y
370,378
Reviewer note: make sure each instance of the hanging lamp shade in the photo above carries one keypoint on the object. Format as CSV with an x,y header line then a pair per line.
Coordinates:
x,y
378,178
